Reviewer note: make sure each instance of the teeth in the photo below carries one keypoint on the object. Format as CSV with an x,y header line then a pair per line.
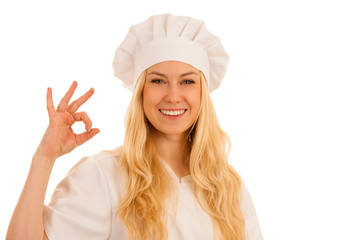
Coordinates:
x,y
172,113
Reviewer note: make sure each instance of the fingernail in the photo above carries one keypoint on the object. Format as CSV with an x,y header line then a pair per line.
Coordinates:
x,y
89,129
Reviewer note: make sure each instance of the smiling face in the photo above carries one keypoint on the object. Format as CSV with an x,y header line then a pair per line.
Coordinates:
x,y
171,97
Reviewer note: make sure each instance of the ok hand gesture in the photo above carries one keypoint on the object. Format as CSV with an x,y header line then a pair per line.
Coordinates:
x,y
59,137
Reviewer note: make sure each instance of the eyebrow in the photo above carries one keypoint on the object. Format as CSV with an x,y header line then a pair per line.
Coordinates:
x,y
188,73
163,75
156,73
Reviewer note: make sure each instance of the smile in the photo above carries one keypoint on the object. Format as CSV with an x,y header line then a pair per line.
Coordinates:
x,y
172,112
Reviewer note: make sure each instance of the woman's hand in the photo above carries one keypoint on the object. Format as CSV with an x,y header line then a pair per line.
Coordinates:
x,y
59,137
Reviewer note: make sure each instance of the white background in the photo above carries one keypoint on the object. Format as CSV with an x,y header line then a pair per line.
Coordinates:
x,y
289,101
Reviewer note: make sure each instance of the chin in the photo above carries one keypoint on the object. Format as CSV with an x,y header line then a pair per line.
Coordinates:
x,y
173,132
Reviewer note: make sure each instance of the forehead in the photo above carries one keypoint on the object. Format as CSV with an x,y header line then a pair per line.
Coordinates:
x,y
173,68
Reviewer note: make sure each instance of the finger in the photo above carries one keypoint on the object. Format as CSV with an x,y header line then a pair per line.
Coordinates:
x,y
65,100
84,137
74,106
49,103
82,116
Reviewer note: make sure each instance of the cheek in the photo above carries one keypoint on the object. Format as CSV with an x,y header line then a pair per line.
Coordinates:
x,y
196,106
150,100
195,101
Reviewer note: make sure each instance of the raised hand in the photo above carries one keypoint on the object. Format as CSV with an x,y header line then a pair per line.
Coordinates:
x,y
59,137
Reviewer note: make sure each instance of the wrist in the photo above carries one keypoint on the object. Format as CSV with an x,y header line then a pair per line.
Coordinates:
x,y
43,161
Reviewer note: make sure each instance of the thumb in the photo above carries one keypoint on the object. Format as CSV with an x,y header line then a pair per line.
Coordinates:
x,y
86,136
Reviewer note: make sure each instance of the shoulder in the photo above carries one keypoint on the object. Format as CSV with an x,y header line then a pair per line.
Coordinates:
x,y
103,162
247,203
252,227
83,194
106,160
94,174
90,174
107,164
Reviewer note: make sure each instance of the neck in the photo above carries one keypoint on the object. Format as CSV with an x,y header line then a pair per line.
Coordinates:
x,y
174,149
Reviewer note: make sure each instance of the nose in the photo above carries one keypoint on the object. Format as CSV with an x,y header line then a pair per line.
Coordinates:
x,y
173,94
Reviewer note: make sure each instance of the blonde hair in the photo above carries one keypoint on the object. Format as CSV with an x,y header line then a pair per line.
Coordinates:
x,y
147,184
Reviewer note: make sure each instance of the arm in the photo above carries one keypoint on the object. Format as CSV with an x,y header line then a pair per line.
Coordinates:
x,y
27,220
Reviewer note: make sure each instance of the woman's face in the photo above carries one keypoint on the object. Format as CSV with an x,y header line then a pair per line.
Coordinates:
x,y
171,96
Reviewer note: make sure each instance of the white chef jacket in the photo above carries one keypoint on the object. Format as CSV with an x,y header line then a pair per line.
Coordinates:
x,y
85,202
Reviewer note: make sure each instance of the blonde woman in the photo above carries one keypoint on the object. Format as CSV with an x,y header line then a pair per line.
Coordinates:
x,y
171,178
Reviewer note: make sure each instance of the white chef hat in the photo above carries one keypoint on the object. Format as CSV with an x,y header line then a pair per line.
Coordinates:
x,y
170,38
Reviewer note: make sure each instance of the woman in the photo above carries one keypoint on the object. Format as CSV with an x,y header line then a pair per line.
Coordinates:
x,y
171,178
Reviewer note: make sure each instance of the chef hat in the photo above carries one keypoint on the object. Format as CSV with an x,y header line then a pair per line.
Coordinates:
x,y
170,38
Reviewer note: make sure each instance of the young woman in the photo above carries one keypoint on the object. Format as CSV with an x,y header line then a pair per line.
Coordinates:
x,y
171,178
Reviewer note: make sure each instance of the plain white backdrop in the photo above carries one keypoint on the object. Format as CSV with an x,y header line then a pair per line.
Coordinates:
x,y
289,101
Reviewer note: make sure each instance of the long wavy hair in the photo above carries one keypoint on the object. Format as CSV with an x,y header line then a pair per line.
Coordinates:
x,y
148,189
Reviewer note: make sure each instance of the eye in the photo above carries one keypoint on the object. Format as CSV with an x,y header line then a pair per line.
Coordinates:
x,y
158,81
188,81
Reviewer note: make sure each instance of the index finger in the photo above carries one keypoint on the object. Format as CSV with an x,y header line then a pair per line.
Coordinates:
x,y
74,106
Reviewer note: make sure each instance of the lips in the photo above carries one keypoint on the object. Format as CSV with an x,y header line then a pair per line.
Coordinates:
x,y
172,112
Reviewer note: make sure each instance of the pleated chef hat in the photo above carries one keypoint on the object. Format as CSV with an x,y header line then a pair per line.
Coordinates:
x,y
170,38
